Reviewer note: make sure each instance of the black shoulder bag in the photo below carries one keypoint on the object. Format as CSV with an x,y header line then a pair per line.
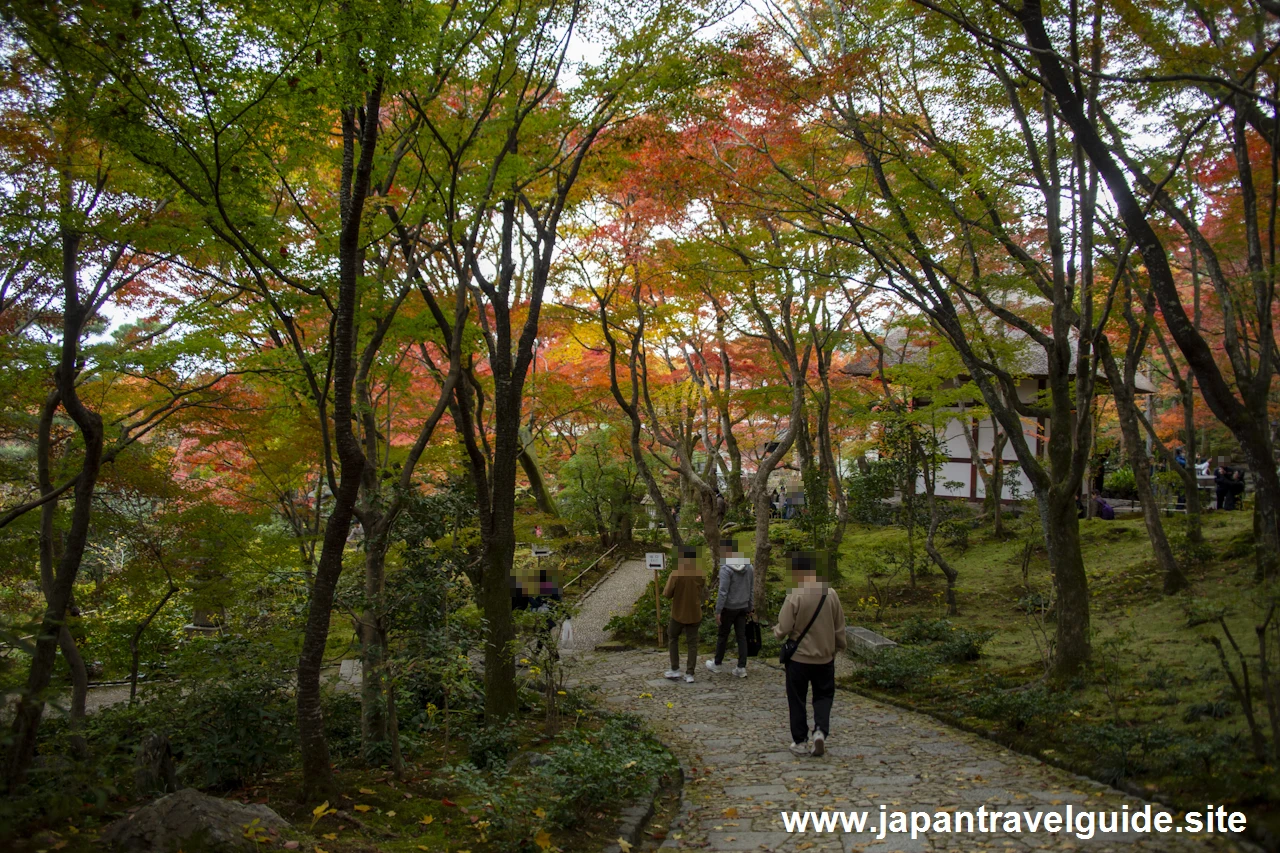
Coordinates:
x,y
789,646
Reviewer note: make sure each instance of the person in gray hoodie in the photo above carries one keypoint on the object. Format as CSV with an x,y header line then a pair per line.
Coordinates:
x,y
734,605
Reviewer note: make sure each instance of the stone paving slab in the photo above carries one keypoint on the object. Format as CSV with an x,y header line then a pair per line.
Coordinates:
x,y
731,737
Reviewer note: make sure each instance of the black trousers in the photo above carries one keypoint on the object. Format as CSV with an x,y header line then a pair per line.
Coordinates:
x,y
822,676
737,621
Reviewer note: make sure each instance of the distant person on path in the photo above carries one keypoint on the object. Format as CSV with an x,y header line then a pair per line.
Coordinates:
x,y
1236,497
734,603
686,587
1222,485
812,603
537,591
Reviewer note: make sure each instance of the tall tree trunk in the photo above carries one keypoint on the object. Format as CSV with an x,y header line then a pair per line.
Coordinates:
x,y
30,706
317,775
948,571
537,483
66,641
1136,450
355,181
1071,586
498,558
374,728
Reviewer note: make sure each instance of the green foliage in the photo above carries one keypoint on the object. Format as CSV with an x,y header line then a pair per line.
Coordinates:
x,y
600,486
899,668
955,533
342,723
868,491
489,746
228,732
786,537
1126,748
584,770
949,643
590,769
815,517
917,630
963,645
1217,709
1017,709
1121,483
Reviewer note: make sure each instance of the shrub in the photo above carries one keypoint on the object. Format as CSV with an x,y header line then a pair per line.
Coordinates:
x,y
1125,749
867,492
955,532
342,723
787,537
950,644
899,668
1218,710
229,731
1159,677
917,630
1017,709
1121,483
963,645
489,746
593,769
584,771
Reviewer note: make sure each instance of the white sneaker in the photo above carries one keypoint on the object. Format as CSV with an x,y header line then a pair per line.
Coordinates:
x,y
713,666
800,749
688,678
740,671
673,674
819,743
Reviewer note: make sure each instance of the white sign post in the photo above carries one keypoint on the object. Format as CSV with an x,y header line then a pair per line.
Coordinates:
x,y
656,560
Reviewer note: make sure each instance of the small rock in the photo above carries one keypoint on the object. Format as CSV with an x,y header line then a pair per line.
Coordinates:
x,y
191,821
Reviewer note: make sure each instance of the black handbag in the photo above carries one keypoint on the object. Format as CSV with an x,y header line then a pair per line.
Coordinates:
x,y
789,646
754,639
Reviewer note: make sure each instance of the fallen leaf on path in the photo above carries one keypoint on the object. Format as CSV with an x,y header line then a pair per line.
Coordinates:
x,y
624,844
367,791
362,808
447,802
543,840
427,820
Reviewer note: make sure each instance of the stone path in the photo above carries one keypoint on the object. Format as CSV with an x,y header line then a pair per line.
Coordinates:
x,y
731,736
615,595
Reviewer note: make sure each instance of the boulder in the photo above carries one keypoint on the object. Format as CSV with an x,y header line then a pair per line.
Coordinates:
x,y
194,823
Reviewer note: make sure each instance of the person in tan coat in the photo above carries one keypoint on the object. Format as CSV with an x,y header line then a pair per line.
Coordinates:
x,y
814,660
686,587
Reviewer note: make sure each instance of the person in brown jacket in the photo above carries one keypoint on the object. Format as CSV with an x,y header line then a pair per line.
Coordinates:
x,y
686,587
814,661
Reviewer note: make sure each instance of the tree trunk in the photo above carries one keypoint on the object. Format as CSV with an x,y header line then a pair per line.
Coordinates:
x,y
66,641
135,642
537,483
1136,451
499,553
374,729
1071,586
30,706
318,780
